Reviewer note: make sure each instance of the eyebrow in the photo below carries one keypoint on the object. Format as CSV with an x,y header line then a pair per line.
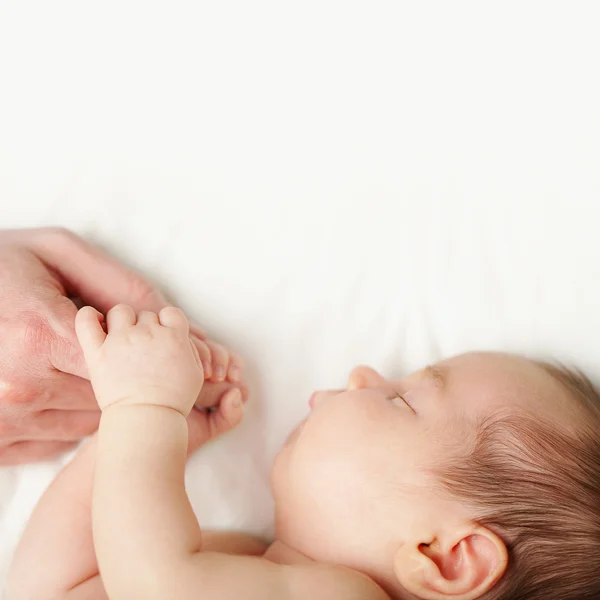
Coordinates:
x,y
435,375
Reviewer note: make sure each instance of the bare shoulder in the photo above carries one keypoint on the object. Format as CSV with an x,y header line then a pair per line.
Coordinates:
x,y
323,582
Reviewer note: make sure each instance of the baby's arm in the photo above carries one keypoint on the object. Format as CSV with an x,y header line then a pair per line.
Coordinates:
x,y
143,522
148,541
55,558
146,378
56,553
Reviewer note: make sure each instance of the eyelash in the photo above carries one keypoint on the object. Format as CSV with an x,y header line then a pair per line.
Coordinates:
x,y
399,396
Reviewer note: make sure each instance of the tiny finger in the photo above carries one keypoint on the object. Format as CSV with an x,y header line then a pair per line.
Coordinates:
x,y
89,330
120,317
175,319
147,317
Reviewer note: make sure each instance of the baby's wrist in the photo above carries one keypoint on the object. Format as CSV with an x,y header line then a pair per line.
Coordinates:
x,y
151,397
138,404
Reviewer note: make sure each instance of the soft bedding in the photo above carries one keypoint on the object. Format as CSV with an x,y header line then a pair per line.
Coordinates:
x,y
319,184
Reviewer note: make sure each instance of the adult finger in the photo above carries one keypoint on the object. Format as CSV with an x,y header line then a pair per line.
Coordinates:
x,y
89,330
236,367
98,278
27,452
196,331
219,360
206,425
120,317
205,356
68,392
52,425
64,351
228,415
212,392
63,425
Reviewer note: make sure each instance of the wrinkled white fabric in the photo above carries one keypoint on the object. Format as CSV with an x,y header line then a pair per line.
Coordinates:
x,y
320,184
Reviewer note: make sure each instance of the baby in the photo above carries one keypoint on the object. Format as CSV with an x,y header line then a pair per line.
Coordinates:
x,y
478,477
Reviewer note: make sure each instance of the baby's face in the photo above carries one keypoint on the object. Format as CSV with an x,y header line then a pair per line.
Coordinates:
x,y
357,478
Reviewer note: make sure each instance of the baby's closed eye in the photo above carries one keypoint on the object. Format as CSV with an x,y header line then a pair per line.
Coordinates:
x,y
400,400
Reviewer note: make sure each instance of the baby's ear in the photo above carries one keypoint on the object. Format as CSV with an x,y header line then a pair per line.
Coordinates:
x,y
462,566
364,377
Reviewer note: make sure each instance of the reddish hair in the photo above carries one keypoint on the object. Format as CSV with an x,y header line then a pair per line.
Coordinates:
x,y
537,486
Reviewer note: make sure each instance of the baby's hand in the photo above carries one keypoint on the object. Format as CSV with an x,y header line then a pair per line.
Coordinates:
x,y
143,359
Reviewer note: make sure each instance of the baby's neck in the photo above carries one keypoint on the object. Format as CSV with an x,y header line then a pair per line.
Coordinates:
x,y
280,553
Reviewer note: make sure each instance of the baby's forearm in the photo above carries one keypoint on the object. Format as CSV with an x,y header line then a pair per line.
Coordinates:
x,y
144,526
56,552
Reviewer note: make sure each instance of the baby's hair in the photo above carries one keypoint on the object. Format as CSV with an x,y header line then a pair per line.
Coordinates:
x,y
537,486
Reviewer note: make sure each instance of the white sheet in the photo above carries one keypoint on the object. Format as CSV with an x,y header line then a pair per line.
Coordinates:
x,y
321,184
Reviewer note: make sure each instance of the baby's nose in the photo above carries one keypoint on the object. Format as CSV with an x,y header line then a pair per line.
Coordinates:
x,y
319,397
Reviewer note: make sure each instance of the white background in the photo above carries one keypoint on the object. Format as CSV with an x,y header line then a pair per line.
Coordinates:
x,y
320,183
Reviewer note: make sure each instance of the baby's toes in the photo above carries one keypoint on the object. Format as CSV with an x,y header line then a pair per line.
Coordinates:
x,y
220,361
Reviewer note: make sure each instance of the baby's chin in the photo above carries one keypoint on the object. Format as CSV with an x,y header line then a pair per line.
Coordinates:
x,y
295,434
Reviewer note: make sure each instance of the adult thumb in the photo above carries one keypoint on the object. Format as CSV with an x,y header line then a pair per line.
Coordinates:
x,y
64,351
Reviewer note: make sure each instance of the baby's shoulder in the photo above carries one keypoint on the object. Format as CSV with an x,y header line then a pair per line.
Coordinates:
x,y
323,582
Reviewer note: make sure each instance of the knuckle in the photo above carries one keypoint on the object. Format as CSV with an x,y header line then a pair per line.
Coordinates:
x,y
15,394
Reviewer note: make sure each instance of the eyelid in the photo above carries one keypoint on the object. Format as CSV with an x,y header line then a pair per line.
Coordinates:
x,y
403,399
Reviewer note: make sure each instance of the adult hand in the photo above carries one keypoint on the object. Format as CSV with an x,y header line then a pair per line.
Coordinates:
x,y
46,401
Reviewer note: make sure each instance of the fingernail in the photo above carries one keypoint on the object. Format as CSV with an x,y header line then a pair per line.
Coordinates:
x,y
220,372
234,373
236,396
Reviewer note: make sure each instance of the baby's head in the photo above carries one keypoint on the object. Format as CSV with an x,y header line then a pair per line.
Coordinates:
x,y
478,477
